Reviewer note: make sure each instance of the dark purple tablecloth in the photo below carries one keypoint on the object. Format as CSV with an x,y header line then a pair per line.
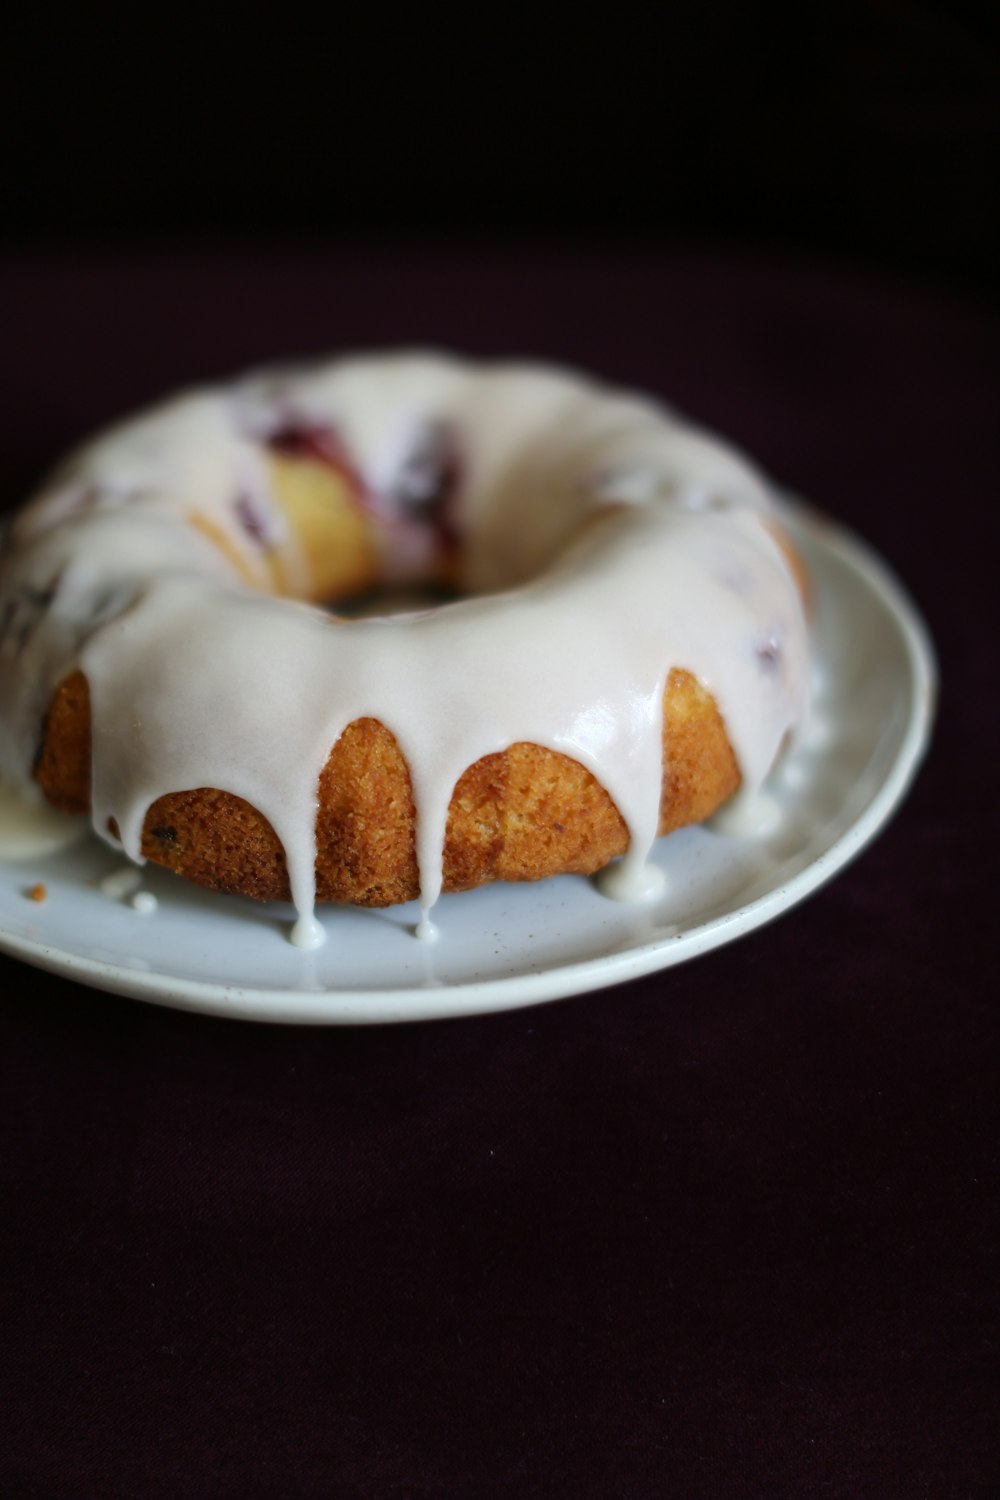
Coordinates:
x,y
732,1230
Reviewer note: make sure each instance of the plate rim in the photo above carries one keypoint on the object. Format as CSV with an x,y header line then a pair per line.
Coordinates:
x,y
485,996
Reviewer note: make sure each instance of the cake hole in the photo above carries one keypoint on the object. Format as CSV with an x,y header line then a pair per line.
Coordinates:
x,y
396,600
300,438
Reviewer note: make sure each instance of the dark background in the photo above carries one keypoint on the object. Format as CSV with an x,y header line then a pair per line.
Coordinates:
x,y
864,132
729,1231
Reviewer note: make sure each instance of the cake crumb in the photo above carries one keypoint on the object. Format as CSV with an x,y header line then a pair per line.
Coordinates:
x,y
38,892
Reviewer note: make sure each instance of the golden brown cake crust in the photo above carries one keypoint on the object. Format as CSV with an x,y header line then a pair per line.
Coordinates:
x,y
522,814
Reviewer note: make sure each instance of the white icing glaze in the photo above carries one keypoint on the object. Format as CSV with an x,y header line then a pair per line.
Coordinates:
x,y
121,883
622,881
307,933
749,814
30,829
197,679
426,930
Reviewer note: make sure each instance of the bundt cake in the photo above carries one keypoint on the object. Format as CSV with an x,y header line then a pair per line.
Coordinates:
x,y
611,637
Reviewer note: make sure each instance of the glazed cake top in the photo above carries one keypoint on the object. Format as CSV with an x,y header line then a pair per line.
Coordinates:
x,y
601,542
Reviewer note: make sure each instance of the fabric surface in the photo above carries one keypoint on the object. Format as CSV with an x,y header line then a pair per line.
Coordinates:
x,y
731,1230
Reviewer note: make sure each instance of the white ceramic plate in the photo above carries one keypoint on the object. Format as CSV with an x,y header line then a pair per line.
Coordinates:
x,y
507,946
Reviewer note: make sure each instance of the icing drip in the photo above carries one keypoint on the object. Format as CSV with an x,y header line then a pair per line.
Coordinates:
x,y
630,880
426,930
307,933
32,829
120,883
749,814
603,544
